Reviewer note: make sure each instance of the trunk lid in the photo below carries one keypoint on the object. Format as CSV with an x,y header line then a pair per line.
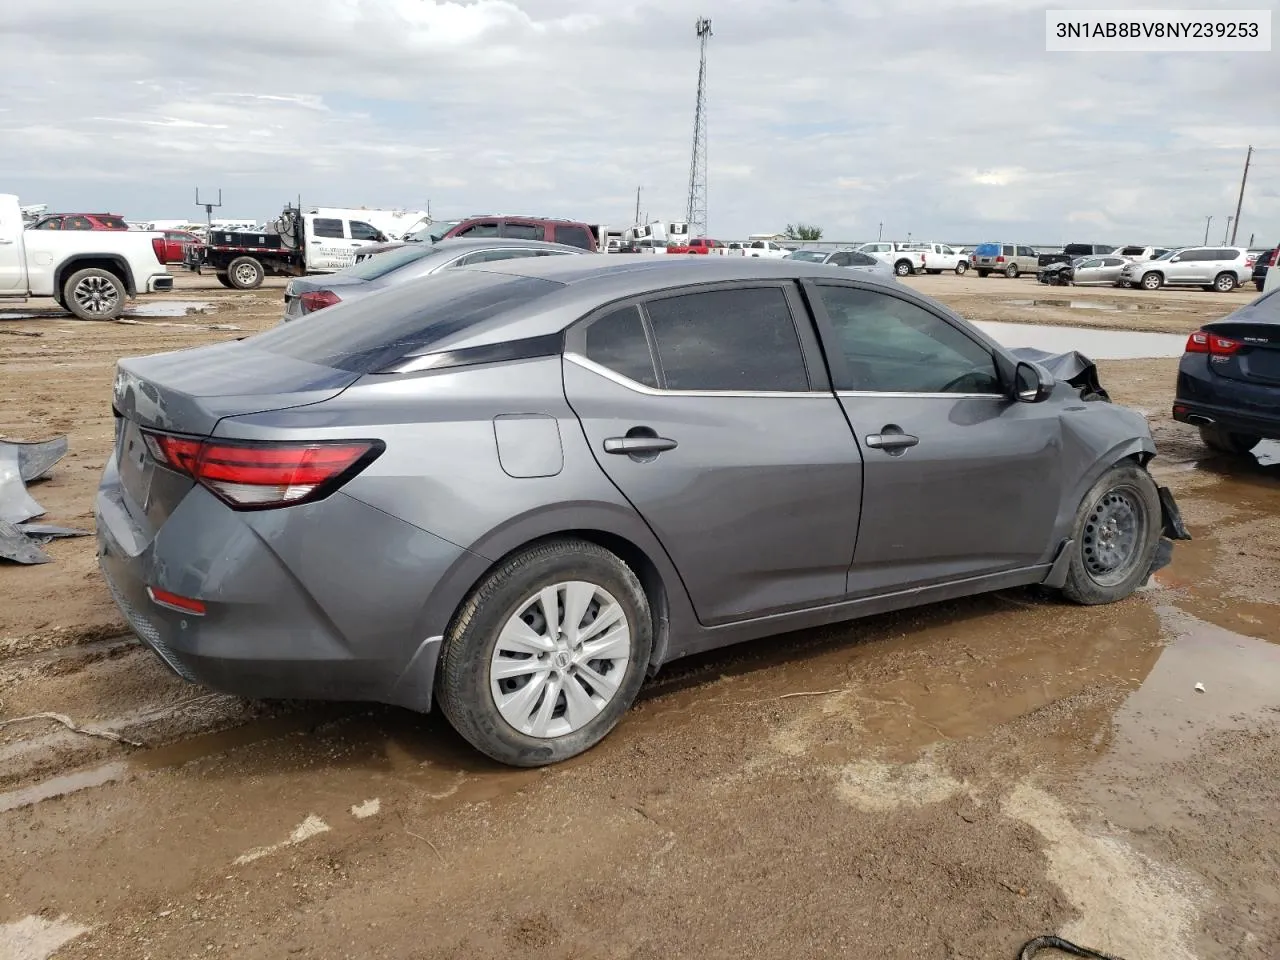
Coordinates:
x,y
188,392
1256,327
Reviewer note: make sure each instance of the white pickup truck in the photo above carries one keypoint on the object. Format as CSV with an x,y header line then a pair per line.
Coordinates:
x,y
939,257
765,249
903,257
89,272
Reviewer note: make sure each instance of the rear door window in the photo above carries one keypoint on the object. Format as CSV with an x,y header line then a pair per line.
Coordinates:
x,y
736,339
523,231
326,227
573,235
113,223
364,231
1008,250
488,228
365,336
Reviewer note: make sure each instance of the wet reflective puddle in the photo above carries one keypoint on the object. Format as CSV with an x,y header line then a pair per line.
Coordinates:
x,y
1095,344
1100,305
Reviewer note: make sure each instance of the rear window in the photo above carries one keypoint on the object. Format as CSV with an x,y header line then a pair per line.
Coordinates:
x,y
367,335
113,223
987,249
383,263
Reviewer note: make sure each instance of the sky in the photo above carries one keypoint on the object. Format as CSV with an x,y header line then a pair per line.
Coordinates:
x,y
945,119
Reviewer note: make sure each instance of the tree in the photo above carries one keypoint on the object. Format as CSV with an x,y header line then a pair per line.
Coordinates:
x,y
803,231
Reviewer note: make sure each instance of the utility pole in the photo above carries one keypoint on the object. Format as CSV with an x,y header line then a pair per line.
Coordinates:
x,y
637,220
1240,199
1207,221
880,232
696,215
1228,231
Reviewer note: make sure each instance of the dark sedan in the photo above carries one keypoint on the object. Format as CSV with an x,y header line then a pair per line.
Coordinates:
x,y
1229,378
309,294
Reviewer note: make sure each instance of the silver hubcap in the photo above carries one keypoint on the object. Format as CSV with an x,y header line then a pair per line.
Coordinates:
x,y
1112,536
1224,283
96,295
560,659
245,274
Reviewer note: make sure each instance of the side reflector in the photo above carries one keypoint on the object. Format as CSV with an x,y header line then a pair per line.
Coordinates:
x,y
164,598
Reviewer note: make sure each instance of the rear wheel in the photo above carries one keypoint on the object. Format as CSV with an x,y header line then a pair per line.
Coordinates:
x,y
933,273
1224,441
1011,271
547,654
983,273
245,273
223,278
1259,284
1117,530
1225,282
1152,281
902,268
94,294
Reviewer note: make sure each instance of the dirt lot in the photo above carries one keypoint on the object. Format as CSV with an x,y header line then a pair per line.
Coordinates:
x,y
943,783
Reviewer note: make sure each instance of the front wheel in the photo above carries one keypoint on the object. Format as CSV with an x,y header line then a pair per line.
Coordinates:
x,y
902,268
1224,441
961,268
245,273
1151,281
94,294
547,654
1117,530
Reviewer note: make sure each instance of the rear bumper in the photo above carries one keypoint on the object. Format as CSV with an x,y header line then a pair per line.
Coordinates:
x,y
328,601
159,282
1203,398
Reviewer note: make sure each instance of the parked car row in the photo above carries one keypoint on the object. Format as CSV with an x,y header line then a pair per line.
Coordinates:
x,y
1211,268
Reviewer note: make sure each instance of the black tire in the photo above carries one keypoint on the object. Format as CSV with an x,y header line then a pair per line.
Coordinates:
x,y
1151,280
1224,441
903,268
933,273
245,273
961,268
94,294
1225,282
983,273
1259,284
464,684
223,278
1011,271
1089,581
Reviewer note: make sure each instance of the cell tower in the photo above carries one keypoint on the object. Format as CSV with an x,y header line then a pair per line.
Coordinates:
x,y
697,212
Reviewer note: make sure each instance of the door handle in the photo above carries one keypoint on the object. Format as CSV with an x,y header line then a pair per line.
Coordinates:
x,y
891,440
635,445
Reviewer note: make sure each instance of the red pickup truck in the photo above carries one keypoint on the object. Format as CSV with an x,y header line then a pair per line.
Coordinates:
x,y
701,245
174,242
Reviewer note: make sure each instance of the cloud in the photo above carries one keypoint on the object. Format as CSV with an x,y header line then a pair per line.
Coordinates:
x,y
944,120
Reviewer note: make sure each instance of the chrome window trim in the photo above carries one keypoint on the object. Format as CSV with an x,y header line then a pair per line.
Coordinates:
x,y
630,384
922,395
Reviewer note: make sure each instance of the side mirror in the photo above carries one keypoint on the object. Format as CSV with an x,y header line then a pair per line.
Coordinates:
x,y
1034,382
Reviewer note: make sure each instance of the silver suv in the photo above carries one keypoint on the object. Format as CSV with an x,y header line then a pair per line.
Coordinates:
x,y
1009,259
1214,268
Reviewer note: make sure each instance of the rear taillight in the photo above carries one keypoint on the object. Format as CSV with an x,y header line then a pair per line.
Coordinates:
x,y
157,244
315,300
1000,259
1204,342
257,475
924,258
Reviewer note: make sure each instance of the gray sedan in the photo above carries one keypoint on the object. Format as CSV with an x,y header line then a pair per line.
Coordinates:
x,y
306,295
522,487
850,259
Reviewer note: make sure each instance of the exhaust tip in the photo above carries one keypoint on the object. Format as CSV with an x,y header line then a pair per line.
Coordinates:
x,y
1197,418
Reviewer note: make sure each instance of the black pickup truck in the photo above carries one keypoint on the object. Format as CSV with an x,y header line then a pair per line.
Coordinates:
x,y
1073,250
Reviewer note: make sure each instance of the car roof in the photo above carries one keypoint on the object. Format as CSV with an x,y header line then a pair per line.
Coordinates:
x,y
631,274
492,243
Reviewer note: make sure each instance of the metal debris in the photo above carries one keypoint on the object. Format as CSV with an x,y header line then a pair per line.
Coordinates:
x,y
18,547
20,463
36,458
16,505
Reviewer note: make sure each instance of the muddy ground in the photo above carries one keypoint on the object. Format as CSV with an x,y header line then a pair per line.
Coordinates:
x,y
946,782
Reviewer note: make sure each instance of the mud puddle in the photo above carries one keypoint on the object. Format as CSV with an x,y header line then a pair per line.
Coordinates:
x,y
1100,305
145,308
1095,344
